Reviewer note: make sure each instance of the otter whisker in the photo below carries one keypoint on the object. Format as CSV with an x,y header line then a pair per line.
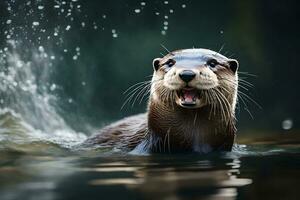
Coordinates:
x,y
215,101
214,95
139,95
165,48
226,104
145,93
214,104
250,99
210,102
135,91
136,84
242,80
219,103
128,99
247,74
138,92
245,105
220,50
131,95
242,85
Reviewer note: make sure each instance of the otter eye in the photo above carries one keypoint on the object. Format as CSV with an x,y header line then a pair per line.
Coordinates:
x,y
212,63
170,62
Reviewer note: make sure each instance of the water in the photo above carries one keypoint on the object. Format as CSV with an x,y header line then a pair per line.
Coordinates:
x,y
61,75
265,173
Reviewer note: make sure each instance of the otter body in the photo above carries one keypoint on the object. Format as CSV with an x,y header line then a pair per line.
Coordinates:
x,y
191,107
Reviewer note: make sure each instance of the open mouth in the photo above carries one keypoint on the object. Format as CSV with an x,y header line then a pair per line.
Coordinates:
x,y
188,96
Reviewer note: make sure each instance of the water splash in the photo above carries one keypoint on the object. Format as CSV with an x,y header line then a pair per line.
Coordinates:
x,y
29,110
26,100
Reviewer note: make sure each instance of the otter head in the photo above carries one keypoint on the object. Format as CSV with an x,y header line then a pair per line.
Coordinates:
x,y
193,78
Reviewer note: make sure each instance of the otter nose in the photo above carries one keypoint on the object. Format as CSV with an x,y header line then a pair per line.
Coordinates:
x,y
187,75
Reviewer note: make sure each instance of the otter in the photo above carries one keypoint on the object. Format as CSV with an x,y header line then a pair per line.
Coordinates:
x,y
191,107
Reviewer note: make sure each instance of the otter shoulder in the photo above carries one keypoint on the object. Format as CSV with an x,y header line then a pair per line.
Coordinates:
x,y
125,133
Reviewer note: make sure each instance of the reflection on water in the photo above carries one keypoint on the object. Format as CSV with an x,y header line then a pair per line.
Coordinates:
x,y
94,175
164,182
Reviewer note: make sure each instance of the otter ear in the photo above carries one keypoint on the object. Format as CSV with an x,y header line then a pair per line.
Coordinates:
x,y
233,65
156,63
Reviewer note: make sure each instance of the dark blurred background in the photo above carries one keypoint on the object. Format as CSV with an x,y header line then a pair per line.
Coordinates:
x,y
118,40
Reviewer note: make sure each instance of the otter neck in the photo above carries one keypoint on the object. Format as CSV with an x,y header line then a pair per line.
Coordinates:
x,y
187,129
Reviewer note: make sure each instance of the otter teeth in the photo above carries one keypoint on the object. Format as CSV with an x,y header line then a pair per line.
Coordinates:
x,y
188,96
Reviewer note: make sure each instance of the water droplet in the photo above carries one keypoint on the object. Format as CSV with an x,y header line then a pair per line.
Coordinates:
x,y
166,23
35,23
183,6
287,124
166,2
166,17
56,6
165,27
83,83
221,32
70,100
75,57
114,33
52,57
156,13
137,10
41,49
40,7
104,16
82,24
163,32
65,50
171,10
68,27
143,3
19,64
8,21
53,87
